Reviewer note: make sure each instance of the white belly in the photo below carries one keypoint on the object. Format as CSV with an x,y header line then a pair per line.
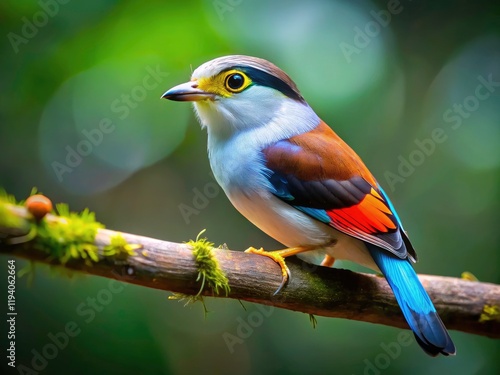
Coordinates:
x,y
239,168
293,228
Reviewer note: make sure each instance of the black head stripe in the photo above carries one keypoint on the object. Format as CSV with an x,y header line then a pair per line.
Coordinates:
x,y
262,78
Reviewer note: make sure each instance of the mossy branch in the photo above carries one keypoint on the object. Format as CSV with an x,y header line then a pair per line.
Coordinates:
x,y
464,305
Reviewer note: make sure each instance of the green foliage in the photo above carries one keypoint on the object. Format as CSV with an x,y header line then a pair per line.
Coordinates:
x,y
119,247
7,198
313,320
490,312
189,299
28,271
208,271
7,218
468,276
208,267
71,237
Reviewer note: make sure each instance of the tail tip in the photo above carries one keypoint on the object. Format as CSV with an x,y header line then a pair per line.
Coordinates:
x,y
434,350
432,336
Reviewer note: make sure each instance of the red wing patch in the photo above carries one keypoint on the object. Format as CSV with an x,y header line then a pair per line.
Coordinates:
x,y
371,216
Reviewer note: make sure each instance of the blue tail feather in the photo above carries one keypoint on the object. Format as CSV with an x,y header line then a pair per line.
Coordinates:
x,y
415,303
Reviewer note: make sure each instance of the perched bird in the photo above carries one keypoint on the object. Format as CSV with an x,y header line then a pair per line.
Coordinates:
x,y
292,176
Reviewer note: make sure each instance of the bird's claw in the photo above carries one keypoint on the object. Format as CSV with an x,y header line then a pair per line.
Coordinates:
x,y
274,255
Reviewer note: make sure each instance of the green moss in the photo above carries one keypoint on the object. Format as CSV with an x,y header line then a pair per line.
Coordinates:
x,y
28,271
313,321
7,198
119,247
209,271
189,299
7,218
468,276
71,237
490,312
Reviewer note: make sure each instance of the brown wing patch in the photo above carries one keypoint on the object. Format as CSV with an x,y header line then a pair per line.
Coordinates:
x,y
321,154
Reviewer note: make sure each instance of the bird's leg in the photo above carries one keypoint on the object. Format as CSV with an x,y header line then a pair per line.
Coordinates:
x,y
328,261
279,257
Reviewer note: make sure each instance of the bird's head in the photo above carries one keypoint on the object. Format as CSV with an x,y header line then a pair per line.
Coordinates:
x,y
235,93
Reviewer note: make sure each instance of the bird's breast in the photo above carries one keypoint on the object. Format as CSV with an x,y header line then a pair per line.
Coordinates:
x,y
239,168
279,220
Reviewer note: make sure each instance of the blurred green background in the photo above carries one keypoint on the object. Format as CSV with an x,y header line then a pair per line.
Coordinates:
x,y
81,118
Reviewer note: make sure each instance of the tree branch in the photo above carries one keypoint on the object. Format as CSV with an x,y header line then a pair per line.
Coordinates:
x,y
467,306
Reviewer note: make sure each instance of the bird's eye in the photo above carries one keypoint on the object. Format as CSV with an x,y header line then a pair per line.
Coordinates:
x,y
235,82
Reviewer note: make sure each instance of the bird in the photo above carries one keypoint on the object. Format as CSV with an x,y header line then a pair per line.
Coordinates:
x,y
292,176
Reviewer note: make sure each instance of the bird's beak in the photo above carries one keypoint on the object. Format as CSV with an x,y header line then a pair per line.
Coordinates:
x,y
187,92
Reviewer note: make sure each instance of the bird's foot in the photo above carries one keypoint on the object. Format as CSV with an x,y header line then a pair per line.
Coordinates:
x,y
279,257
